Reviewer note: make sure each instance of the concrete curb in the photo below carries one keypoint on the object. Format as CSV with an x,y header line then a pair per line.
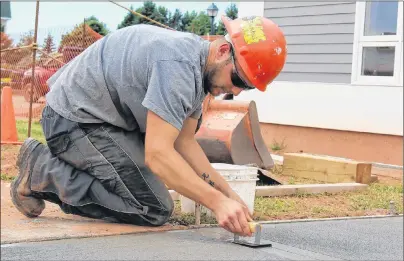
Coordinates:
x,y
288,190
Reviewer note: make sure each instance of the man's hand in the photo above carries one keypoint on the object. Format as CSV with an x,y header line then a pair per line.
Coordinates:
x,y
233,216
233,195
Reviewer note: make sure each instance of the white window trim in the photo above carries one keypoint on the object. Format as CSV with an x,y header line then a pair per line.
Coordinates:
x,y
361,41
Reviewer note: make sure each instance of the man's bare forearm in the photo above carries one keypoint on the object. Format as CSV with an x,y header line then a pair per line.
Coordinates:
x,y
175,172
192,152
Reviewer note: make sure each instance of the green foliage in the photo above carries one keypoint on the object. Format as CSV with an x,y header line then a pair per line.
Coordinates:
x,y
97,25
221,30
200,25
149,10
175,20
81,36
231,12
378,197
190,21
36,130
162,14
186,20
129,19
6,177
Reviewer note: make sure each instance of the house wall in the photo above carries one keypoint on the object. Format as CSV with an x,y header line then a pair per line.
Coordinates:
x,y
320,39
312,95
387,149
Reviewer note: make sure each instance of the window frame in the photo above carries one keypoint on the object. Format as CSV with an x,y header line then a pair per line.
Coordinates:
x,y
360,41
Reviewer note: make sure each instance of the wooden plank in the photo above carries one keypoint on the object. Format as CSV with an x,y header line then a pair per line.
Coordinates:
x,y
269,175
326,168
363,173
288,190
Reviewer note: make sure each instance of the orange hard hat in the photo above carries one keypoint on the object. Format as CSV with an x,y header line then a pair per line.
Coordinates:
x,y
260,48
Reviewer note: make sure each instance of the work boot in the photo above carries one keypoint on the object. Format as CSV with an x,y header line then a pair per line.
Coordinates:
x,y
20,189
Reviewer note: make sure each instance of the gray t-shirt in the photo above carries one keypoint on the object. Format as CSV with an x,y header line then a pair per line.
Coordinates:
x,y
130,71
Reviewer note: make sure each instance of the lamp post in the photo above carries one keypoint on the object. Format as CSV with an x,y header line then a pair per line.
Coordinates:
x,y
212,12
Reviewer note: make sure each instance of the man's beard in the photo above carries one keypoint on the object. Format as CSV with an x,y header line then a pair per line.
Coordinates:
x,y
211,74
208,80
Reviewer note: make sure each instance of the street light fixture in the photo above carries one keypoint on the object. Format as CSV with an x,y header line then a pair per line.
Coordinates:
x,y
212,12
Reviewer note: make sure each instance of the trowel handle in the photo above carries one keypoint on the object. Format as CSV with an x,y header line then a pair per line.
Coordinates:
x,y
253,226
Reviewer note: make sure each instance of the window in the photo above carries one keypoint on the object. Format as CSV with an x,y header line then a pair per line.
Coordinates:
x,y
378,43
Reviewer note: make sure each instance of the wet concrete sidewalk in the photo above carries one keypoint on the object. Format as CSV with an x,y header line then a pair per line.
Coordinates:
x,y
351,239
54,224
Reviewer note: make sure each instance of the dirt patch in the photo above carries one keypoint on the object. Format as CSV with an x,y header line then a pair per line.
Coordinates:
x,y
54,224
21,107
9,155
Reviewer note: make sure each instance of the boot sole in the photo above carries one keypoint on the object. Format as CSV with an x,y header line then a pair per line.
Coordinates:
x,y
27,143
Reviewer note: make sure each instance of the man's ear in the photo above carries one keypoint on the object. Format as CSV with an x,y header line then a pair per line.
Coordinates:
x,y
223,51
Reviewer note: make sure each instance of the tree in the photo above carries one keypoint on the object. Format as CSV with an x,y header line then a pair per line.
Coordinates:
x,y
129,19
26,39
174,21
5,40
97,26
221,30
150,10
49,46
162,15
231,12
186,21
75,37
200,25
18,57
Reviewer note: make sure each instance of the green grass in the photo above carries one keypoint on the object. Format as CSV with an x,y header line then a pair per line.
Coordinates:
x,y
274,205
276,146
36,130
376,199
6,177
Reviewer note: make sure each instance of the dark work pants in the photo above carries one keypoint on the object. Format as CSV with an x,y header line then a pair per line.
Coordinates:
x,y
98,171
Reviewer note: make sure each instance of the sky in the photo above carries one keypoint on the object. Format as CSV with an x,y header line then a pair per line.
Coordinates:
x,y
59,17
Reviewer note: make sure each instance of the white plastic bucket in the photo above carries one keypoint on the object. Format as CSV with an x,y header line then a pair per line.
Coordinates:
x,y
242,179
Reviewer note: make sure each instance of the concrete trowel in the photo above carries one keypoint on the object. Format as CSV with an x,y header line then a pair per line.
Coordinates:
x,y
254,241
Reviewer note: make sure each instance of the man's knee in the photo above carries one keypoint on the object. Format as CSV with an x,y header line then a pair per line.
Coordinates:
x,y
161,216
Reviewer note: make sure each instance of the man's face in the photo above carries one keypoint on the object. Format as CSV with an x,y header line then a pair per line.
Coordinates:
x,y
225,75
